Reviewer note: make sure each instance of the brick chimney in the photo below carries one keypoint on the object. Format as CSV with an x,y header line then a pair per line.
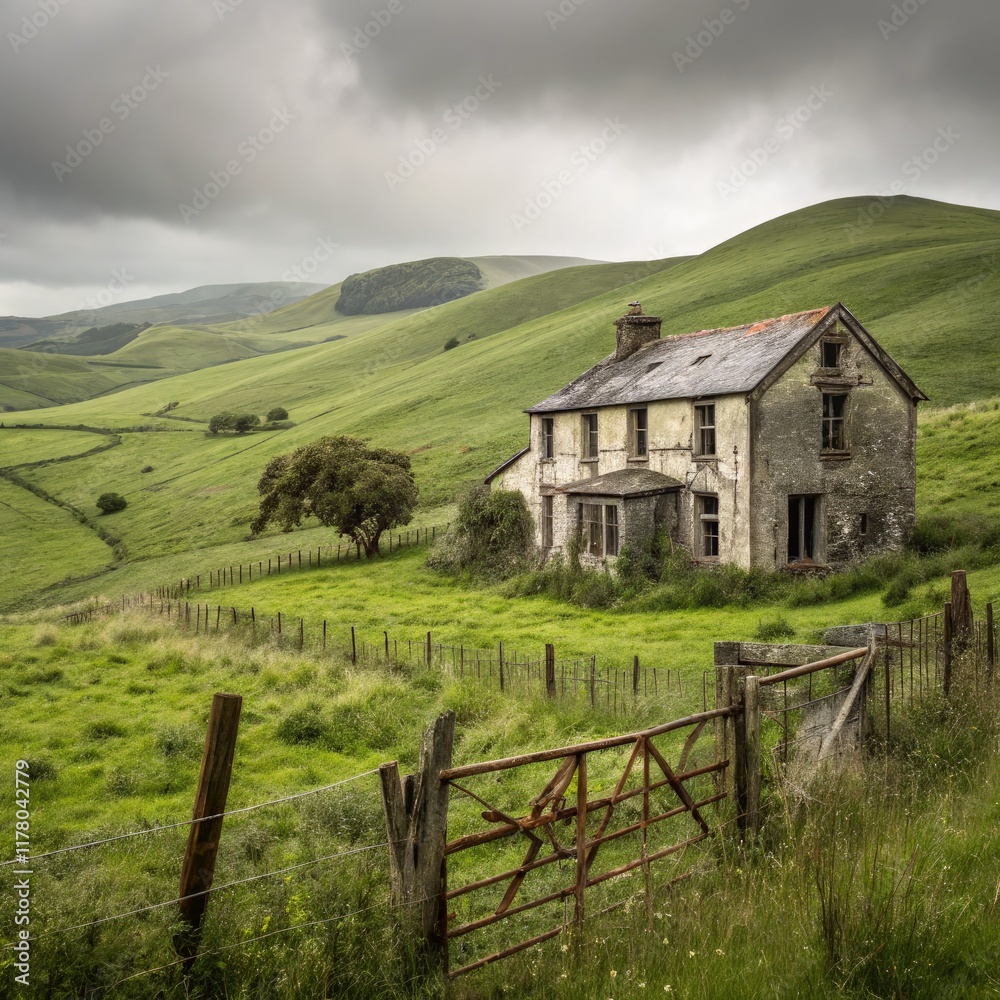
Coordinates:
x,y
635,330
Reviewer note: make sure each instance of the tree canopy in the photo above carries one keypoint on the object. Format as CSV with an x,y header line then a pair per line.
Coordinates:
x,y
342,482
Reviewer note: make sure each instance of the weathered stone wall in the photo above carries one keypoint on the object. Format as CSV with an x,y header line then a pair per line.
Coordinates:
x,y
877,479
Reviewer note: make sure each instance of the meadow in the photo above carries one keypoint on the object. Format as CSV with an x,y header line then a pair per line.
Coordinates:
x,y
884,884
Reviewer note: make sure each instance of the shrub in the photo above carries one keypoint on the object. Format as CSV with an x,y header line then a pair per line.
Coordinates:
x,y
276,413
237,423
109,503
146,468
774,628
303,725
451,344
493,536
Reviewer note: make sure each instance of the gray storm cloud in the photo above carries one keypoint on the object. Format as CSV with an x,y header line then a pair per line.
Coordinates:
x,y
216,140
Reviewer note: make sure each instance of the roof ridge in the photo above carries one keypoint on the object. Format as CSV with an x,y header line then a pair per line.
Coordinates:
x,y
745,326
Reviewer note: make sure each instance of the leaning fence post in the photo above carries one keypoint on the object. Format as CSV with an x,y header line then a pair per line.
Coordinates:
x,y
990,641
198,869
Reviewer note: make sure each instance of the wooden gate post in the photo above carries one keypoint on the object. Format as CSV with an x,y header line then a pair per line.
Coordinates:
x,y
728,670
198,869
747,770
550,670
990,640
416,821
947,647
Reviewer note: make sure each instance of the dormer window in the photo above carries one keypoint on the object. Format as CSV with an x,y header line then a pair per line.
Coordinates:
x,y
830,351
700,360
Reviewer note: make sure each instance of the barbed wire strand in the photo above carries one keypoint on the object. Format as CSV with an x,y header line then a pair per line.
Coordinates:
x,y
261,937
205,892
187,822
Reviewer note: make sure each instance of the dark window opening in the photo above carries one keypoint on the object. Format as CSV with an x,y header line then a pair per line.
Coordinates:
x,y
708,526
547,522
864,525
590,435
548,437
655,364
639,432
704,430
834,421
700,360
830,350
802,529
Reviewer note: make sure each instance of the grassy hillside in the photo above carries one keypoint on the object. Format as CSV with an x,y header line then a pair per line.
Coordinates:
x,y
919,280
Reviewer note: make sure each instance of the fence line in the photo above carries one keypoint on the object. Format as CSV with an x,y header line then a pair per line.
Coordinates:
x,y
186,822
614,687
234,575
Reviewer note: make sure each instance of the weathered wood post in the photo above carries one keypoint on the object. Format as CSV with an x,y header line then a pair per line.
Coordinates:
x,y
198,869
635,676
429,651
416,822
728,671
354,646
747,770
550,670
961,613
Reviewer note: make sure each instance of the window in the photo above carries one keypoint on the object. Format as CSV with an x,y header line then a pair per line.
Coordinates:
x,y
864,526
802,529
638,433
598,529
547,522
653,366
708,526
701,359
704,430
610,530
548,437
834,421
590,451
830,353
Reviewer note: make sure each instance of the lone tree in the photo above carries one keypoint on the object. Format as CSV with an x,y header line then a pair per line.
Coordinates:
x,y
277,413
109,503
343,483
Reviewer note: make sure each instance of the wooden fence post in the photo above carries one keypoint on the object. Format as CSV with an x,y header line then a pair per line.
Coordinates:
x,y
428,650
635,676
961,612
728,670
593,681
416,821
354,646
501,666
198,869
550,670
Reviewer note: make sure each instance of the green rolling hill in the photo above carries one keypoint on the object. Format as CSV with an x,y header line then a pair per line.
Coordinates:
x,y
925,280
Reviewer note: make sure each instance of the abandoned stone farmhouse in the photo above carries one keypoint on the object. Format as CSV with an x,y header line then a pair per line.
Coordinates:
x,y
789,442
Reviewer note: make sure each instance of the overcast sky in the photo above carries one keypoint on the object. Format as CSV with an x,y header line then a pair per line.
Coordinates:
x,y
154,147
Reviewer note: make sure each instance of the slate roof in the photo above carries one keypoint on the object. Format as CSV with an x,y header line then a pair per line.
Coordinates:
x,y
734,360
623,483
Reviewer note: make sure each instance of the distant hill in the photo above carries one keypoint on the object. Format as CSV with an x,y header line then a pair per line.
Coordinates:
x,y
415,285
206,304
94,342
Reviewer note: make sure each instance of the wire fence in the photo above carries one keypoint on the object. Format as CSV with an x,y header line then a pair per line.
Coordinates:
x,y
610,686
